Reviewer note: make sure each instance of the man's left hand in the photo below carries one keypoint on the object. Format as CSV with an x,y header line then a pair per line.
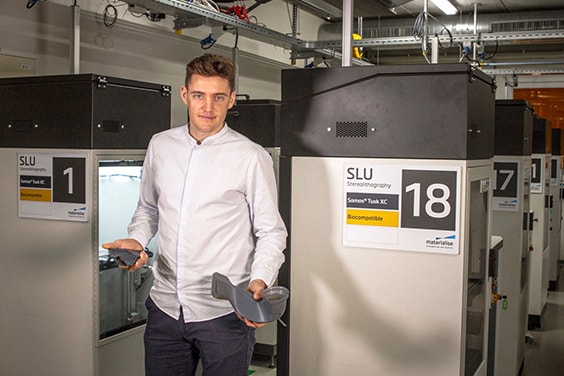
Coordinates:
x,y
256,287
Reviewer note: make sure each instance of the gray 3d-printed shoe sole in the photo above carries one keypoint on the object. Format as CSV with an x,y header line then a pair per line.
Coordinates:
x,y
271,308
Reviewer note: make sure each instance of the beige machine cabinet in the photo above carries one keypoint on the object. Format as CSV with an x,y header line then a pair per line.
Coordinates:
x,y
53,307
555,209
540,202
367,308
511,221
540,256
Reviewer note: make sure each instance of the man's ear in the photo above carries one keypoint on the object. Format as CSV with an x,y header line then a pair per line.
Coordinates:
x,y
232,98
184,94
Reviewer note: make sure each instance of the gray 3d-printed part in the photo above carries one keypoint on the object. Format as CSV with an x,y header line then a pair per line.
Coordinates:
x,y
271,308
127,257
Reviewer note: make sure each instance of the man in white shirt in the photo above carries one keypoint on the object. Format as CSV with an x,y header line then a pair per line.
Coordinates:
x,y
211,195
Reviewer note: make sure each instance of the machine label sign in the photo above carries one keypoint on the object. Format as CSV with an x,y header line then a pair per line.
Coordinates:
x,y
506,186
402,207
52,186
555,170
536,175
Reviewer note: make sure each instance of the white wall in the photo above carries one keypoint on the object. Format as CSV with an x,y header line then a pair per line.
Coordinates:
x,y
138,49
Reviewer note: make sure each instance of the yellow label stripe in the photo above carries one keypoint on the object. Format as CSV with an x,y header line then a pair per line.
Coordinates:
x,y
373,218
35,195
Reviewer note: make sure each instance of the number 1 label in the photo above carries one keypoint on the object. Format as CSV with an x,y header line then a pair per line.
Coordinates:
x,y
68,172
69,180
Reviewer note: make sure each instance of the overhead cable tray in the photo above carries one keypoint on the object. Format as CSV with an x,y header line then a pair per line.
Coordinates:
x,y
185,10
182,9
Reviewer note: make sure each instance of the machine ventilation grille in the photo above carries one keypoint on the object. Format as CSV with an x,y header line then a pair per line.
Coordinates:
x,y
351,129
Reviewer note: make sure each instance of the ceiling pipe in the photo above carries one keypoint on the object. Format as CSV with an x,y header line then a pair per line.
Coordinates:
x,y
347,34
475,29
74,40
425,27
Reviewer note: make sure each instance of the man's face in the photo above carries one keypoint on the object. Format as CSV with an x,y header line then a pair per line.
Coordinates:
x,y
208,99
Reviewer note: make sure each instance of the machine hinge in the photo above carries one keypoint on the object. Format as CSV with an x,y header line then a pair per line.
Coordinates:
x,y
472,76
166,90
102,82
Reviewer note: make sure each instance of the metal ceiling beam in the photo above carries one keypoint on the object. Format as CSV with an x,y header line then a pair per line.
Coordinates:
x,y
524,67
521,71
507,38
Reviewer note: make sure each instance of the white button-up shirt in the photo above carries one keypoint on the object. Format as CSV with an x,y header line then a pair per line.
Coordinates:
x,y
209,203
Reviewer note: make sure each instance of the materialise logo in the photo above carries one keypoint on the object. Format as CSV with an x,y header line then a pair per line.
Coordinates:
x,y
441,242
77,212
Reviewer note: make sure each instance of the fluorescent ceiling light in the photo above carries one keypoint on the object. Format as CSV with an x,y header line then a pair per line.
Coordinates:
x,y
445,6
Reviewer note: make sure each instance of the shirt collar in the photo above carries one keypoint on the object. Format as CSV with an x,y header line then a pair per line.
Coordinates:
x,y
208,140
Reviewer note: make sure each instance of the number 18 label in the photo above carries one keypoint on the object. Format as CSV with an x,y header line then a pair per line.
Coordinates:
x,y
428,200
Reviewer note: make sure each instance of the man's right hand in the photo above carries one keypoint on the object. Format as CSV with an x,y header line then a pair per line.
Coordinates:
x,y
133,245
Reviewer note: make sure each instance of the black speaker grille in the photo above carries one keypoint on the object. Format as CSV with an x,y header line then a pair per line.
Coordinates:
x,y
351,129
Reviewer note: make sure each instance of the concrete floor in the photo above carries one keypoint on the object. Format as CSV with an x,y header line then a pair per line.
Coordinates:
x,y
544,356
260,371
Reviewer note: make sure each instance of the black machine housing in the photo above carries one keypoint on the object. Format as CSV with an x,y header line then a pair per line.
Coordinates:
x,y
437,111
82,111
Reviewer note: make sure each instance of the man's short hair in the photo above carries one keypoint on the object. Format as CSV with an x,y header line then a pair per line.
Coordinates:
x,y
209,65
